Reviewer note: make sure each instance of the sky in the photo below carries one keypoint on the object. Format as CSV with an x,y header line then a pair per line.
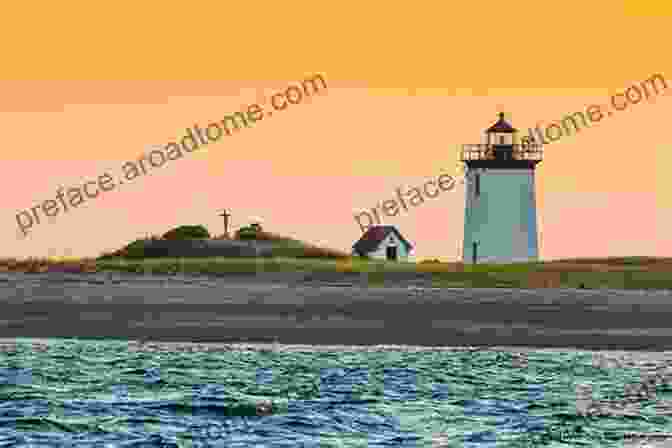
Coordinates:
x,y
87,88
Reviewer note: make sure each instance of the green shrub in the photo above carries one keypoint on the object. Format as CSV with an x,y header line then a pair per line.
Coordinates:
x,y
186,232
135,250
247,233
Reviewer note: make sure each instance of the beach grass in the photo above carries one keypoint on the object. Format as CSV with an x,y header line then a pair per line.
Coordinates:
x,y
588,273
624,273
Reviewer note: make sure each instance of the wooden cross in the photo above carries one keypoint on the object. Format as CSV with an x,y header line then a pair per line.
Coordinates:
x,y
226,222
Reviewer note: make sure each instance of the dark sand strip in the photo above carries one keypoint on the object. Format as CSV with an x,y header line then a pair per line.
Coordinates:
x,y
255,309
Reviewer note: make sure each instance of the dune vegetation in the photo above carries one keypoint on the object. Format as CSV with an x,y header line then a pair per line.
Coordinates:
x,y
295,256
282,246
624,273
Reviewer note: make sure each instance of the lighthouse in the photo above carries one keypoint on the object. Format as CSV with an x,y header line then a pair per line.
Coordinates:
x,y
500,219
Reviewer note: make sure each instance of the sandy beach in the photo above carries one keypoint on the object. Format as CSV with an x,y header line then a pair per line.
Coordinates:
x,y
267,308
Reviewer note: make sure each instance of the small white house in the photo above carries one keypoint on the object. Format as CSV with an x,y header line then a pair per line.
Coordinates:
x,y
383,243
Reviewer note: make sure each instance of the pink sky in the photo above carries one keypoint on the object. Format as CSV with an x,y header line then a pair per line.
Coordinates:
x,y
393,115
306,171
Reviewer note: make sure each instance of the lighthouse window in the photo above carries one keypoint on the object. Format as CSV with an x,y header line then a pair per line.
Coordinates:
x,y
501,139
478,184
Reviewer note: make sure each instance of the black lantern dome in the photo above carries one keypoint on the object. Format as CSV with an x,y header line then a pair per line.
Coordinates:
x,y
502,149
501,126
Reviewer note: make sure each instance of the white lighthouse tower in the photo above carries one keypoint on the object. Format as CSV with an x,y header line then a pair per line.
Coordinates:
x,y
500,221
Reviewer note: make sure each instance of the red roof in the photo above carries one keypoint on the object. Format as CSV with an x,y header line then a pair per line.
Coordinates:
x,y
373,237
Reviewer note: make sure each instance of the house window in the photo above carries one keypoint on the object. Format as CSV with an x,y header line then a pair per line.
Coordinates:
x,y
478,184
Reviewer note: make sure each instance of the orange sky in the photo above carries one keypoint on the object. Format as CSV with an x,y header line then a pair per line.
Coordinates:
x,y
85,89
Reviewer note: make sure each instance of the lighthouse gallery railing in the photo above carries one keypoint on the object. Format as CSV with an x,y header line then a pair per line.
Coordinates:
x,y
484,151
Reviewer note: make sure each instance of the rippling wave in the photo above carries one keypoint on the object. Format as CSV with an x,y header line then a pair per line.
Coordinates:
x,y
112,393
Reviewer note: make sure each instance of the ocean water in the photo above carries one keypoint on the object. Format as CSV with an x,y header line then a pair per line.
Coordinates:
x,y
88,393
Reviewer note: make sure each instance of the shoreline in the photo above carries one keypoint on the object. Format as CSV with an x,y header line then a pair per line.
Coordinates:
x,y
248,311
42,344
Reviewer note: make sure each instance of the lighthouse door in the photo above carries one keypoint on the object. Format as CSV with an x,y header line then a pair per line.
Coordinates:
x,y
474,255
